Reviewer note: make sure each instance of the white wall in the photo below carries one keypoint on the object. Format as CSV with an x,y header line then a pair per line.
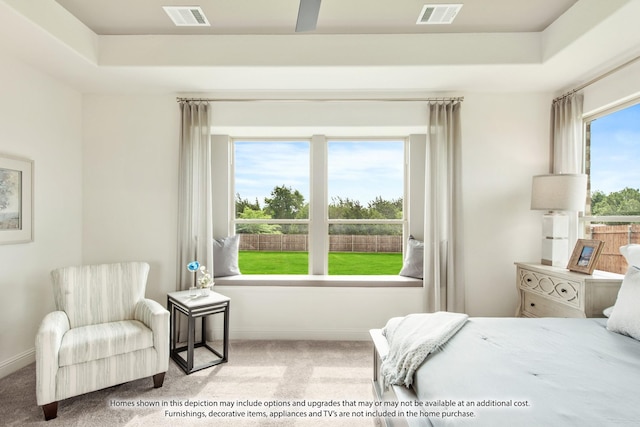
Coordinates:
x,y
40,119
505,143
130,202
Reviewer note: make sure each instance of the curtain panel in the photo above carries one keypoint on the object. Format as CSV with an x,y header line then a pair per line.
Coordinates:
x,y
443,255
195,221
568,146
566,122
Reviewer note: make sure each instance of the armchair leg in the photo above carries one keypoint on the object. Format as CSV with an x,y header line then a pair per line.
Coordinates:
x,y
50,410
158,379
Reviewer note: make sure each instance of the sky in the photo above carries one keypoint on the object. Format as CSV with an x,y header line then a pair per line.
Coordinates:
x,y
615,151
359,170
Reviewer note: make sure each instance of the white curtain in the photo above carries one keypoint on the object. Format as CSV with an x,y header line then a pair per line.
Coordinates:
x,y
566,122
568,146
195,222
443,276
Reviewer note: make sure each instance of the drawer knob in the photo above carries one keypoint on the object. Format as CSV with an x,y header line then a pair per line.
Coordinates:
x,y
532,305
563,290
528,280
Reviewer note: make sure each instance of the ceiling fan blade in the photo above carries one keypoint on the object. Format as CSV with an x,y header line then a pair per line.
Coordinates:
x,y
307,15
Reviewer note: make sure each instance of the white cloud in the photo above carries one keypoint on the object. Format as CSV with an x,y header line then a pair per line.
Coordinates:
x,y
261,166
365,170
358,170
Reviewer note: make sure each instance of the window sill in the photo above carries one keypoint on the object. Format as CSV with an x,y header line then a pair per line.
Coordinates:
x,y
308,280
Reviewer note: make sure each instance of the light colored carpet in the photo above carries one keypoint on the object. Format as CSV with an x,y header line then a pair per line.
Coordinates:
x,y
262,371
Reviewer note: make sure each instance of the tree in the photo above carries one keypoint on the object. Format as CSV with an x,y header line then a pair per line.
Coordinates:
x,y
385,209
377,209
284,203
241,204
346,208
249,213
623,202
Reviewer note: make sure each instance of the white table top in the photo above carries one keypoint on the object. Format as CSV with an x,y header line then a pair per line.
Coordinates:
x,y
186,300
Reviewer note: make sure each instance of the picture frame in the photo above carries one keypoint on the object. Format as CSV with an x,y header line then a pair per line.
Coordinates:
x,y
16,200
585,255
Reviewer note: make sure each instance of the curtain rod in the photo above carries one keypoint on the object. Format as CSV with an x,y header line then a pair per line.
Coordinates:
x,y
454,99
596,79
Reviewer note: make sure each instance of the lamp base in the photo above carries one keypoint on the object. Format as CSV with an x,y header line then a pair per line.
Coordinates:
x,y
555,252
555,225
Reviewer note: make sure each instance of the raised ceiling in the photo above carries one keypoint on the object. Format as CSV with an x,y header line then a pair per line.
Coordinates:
x,y
360,48
126,17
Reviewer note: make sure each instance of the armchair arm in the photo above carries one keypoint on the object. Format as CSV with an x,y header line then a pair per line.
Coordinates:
x,y
48,341
156,318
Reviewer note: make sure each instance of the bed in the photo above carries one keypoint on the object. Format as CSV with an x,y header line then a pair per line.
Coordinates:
x,y
525,372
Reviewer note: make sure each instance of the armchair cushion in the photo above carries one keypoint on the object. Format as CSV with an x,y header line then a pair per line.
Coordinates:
x,y
94,342
101,293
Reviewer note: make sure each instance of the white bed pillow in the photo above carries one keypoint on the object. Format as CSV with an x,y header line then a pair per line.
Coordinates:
x,y
413,260
625,316
225,256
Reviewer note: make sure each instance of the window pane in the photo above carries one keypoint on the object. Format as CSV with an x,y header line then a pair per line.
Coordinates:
x,y
365,249
272,182
273,248
271,179
366,179
614,158
613,153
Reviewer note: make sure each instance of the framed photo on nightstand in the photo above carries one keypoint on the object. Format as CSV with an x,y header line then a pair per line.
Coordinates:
x,y
585,255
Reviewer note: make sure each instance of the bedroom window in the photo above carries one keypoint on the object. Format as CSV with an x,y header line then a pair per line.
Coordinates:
x,y
272,206
366,206
319,206
612,213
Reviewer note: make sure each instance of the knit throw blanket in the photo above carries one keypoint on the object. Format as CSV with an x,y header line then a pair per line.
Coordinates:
x,y
412,338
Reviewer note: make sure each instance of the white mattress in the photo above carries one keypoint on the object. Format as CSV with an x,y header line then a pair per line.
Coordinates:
x,y
573,372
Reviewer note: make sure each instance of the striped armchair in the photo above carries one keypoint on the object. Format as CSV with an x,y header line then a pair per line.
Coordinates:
x,y
104,333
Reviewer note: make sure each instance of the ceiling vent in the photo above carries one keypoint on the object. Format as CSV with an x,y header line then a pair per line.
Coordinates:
x,y
438,13
187,16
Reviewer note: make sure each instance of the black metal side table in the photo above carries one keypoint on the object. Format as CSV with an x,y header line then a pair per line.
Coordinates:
x,y
194,307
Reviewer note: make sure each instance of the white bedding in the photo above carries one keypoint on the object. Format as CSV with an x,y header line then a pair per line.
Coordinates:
x,y
412,338
573,372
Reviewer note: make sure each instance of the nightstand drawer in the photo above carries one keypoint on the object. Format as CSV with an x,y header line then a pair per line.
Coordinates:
x,y
539,306
547,291
555,288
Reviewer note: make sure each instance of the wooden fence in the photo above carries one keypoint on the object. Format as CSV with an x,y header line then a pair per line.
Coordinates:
x,y
337,243
613,237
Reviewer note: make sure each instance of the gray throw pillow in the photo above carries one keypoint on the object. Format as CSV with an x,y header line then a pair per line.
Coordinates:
x,y
225,256
413,260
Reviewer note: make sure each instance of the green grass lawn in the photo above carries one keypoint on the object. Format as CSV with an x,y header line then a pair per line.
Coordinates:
x,y
254,262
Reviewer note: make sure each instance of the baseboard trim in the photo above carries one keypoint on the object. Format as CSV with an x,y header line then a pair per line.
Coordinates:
x,y
17,362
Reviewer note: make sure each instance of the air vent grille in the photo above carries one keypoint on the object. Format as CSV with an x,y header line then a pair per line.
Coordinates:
x,y
438,13
187,16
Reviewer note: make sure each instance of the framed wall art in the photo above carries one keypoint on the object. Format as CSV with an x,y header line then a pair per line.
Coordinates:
x,y
585,255
16,200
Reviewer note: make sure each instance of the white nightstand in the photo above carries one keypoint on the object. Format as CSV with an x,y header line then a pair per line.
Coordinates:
x,y
547,291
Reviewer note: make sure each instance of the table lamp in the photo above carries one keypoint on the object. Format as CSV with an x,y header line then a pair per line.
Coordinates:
x,y
557,194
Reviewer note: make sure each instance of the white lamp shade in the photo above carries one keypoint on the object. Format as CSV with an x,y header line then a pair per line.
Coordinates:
x,y
560,192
